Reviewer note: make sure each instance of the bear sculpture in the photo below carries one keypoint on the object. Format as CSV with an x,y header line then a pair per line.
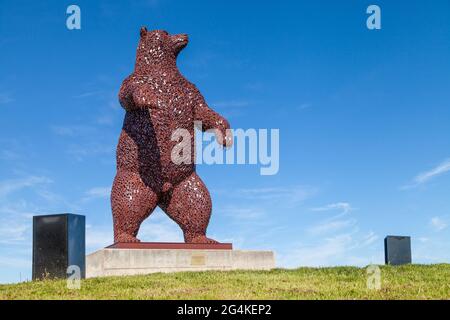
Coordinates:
x,y
158,100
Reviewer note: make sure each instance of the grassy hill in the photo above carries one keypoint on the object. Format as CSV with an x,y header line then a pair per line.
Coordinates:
x,y
405,282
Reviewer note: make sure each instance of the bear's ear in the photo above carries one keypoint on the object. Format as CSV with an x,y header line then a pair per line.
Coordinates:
x,y
143,31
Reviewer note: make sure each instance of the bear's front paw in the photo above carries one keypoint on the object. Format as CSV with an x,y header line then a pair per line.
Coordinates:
x,y
224,137
228,138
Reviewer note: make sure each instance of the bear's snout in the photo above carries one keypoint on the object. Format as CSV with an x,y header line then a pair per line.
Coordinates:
x,y
180,41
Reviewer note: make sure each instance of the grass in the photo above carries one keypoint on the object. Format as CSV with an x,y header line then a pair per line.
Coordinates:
x,y
403,282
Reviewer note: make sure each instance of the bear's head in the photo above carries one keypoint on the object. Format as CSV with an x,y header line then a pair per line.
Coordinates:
x,y
158,49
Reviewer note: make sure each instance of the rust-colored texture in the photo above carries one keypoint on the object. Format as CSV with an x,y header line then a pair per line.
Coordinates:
x,y
158,100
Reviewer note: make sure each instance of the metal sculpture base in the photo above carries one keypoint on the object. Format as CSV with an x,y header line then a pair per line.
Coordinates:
x,y
118,261
170,245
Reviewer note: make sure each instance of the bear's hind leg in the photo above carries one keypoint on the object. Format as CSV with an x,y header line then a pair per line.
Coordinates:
x,y
189,205
132,202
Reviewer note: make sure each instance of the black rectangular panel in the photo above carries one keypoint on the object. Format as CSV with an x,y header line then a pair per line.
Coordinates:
x,y
49,246
77,242
397,250
58,242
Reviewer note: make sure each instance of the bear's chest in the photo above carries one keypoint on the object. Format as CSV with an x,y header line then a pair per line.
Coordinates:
x,y
173,101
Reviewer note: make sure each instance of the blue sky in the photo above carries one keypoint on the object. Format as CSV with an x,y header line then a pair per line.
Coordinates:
x,y
363,118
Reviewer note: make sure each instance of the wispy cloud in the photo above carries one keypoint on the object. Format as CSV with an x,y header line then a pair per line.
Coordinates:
x,y
304,106
9,155
106,119
97,193
426,176
326,253
5,98
80,152
334,223
342,249
331,226
18,208
98,237
20,200
73,130
158,227
88,140
343,206
287,195
88,94
14,262
13,231
433,249
438,224
369,238
240,213
15,221
333,241
13,185
161,232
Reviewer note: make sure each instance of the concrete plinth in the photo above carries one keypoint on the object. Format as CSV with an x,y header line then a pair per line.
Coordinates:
x,y
120,262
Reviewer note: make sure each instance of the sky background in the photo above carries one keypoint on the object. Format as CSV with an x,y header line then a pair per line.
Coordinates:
x,y
363,118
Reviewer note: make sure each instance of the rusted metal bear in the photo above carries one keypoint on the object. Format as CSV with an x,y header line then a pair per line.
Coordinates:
x,y
158,100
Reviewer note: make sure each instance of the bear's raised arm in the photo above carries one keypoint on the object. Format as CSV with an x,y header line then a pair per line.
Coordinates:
x,y
209,118
212,120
